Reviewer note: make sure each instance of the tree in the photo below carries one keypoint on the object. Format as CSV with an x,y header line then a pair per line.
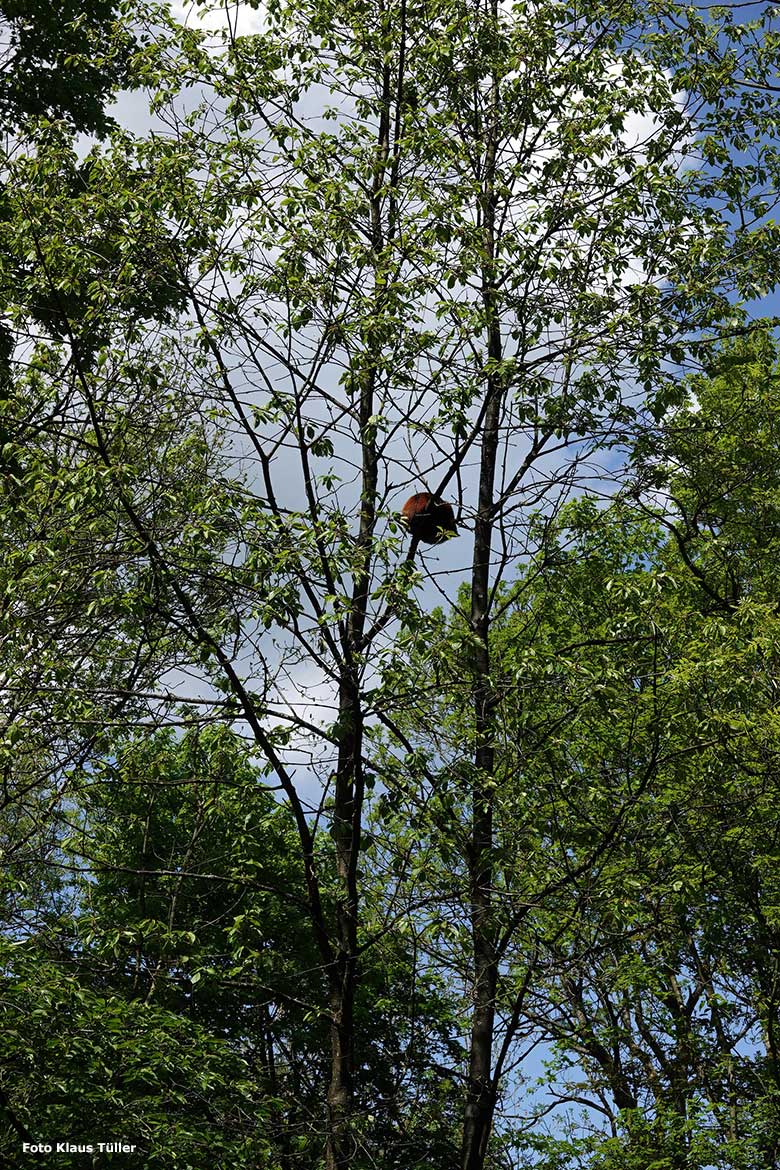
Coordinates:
x,y
632,695
175,922
86,1066
397,246
63,63
656,996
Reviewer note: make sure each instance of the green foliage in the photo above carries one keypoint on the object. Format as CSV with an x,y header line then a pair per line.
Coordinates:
x,y
364,246
191,912
84,1065
63,61
716,456
635,804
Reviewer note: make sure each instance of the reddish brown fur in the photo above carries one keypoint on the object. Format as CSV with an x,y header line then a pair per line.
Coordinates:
x,y
429,520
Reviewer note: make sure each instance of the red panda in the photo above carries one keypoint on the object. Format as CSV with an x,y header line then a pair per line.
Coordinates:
x,y
428,519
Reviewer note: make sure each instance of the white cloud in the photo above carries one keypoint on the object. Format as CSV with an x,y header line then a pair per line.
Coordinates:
x,y
223,20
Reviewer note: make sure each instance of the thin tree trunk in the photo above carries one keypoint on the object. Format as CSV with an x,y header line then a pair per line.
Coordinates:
x,y
480,1098
348,798
481,1090
349,782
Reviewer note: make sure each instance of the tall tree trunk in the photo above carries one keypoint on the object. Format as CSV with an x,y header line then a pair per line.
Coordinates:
x,y
480,1098
481,1090
349,782
343,971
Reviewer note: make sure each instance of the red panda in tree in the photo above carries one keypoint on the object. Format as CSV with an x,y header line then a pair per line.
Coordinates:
x,y
429,519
